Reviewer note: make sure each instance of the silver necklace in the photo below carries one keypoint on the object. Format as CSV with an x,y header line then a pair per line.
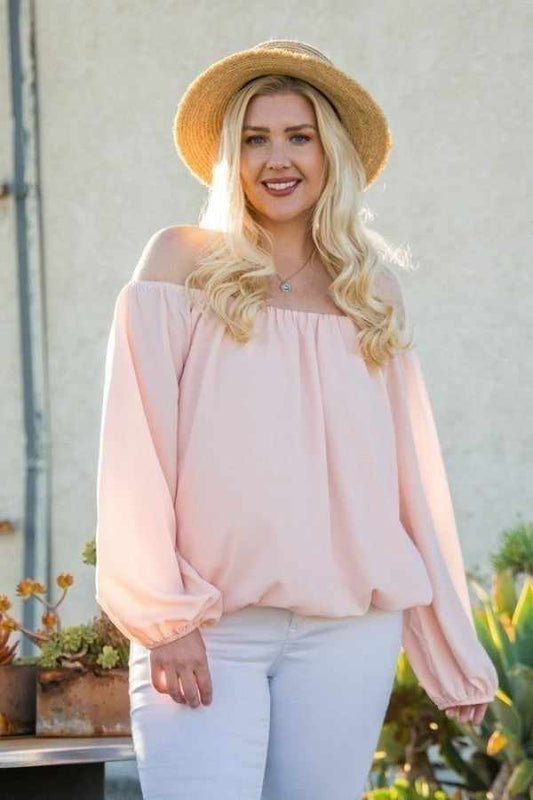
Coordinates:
x,y
285,284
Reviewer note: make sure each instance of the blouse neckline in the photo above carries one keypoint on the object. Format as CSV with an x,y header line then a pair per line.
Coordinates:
x,y
268,306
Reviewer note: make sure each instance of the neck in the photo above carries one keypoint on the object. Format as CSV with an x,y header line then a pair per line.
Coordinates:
x,y
292,243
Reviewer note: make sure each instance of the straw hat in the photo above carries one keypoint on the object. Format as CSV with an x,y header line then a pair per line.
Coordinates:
x,y
198,119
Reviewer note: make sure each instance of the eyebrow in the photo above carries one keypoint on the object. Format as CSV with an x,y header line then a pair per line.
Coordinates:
x,y
289,128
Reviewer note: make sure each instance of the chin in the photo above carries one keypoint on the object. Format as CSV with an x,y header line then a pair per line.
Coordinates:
x,y
284,217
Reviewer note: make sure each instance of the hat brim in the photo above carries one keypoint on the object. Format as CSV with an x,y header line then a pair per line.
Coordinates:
x,y
200,112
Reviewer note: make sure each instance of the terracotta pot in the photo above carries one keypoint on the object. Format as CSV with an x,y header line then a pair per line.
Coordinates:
x,y
75,703
17,699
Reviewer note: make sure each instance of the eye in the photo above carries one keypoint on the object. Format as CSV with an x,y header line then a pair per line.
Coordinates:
x,y
250,139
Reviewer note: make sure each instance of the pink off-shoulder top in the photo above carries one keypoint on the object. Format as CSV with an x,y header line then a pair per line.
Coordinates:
x,y
283,472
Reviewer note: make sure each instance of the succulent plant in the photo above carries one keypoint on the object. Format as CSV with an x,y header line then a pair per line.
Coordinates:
x,y
98,645
7,650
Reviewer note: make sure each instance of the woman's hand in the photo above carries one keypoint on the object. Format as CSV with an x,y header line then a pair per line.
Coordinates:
x,y
470,713
183,660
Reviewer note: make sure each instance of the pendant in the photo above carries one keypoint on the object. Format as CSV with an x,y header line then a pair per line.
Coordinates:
x,y
285,286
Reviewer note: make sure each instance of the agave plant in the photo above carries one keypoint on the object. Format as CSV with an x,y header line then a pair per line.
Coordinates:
x,y
504,624
418,742
493,760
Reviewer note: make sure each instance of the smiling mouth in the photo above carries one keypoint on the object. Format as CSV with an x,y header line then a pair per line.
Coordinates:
x,y
287,187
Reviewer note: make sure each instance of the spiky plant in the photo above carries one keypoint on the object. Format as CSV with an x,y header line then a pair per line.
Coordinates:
x,y
7,650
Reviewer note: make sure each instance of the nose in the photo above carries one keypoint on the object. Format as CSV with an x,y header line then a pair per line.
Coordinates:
x,y
277,158
277,164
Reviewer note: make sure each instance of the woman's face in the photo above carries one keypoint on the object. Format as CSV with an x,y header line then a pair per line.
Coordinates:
x,y
271,150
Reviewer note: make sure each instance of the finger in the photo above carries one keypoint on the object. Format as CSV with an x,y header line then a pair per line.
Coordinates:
x,y
159,680
174,688
203,679
453,712
464,713
479,714
190,690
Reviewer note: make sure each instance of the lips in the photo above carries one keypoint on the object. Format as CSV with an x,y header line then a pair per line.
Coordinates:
x,y
278,181
289,186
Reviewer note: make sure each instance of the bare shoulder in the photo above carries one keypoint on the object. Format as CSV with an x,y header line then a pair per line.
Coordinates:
x,y
171,253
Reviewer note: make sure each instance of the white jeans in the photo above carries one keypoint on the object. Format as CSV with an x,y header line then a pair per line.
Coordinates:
x,y
298,705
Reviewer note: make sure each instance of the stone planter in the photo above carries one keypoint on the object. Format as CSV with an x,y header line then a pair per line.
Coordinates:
x,y
17,699
75,703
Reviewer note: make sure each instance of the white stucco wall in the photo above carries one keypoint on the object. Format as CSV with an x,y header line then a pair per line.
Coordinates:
x,y
451,77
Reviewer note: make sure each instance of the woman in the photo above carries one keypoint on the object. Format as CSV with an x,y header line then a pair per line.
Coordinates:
x,y
274,519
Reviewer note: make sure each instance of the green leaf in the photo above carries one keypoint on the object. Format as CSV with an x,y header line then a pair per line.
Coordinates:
x,y
521,777
88,555
500,637
108,658
405,675
503,592
483,631
506,713
523,623
521,678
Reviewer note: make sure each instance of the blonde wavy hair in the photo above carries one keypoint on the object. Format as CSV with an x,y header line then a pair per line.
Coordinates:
x,y
235,267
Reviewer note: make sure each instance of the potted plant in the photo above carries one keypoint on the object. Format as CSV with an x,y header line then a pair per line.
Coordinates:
x,y
81,671
82,682
17,682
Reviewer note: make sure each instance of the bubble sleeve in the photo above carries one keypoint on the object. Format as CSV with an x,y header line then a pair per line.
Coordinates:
x,y
148,590
439,639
